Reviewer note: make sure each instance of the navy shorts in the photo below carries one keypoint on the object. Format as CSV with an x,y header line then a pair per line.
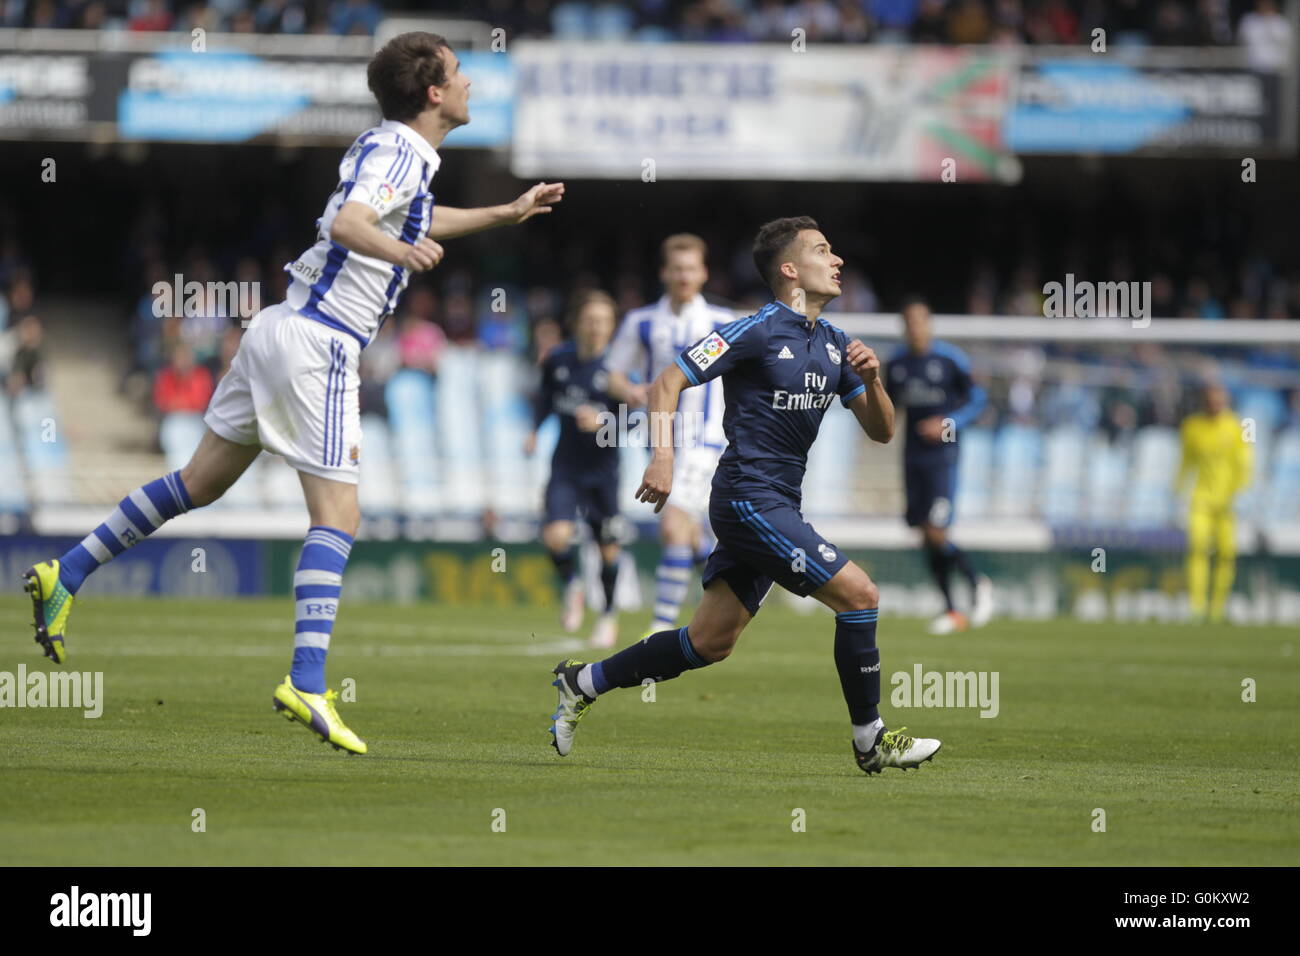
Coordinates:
x,y
591,498
931,486
765,541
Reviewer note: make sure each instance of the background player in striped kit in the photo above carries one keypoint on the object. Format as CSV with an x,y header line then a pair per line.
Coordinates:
x,y
292,387
584,469
649,340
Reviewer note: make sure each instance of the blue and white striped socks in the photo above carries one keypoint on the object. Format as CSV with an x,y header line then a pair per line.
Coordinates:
x,y
317,584
671,582
137,516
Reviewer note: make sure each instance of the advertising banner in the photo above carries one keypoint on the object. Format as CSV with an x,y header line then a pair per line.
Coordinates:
x,y
177,567
670,111
44,93
678,111
177,94
1090,105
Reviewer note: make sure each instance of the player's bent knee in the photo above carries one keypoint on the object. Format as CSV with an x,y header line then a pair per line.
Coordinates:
x,y
715,645
862,594
350,524
557,536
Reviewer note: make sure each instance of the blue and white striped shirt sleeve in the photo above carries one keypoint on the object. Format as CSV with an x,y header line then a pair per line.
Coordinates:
x,y
386,177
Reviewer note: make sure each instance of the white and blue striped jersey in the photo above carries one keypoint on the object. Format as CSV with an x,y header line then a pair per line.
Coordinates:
x,y
388,168
651,338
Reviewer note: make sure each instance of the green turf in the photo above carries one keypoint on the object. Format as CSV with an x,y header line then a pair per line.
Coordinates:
x,y
1143,721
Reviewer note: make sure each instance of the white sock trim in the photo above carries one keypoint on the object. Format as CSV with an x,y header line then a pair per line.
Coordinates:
x,y
585,683
864,735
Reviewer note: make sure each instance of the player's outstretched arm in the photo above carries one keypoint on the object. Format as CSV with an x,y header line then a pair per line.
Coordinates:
x,y
356,228
873,408
657,483
448,222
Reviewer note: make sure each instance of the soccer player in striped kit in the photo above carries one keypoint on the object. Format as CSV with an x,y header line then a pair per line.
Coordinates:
x,y
292,388
648,341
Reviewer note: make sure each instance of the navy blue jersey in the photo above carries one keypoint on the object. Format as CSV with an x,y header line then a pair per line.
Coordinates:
x,y
567,383
779,374
936,383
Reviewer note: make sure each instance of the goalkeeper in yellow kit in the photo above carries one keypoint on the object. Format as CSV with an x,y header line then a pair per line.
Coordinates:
x,y
1216,452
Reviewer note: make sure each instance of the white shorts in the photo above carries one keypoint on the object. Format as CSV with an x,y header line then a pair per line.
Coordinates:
x,y
293,389
693,470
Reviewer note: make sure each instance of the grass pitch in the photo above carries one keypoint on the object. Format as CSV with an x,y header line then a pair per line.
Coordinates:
x,y
1145,722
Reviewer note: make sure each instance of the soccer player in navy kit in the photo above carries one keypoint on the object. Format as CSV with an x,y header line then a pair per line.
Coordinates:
x,y
584,472
931,382
780,368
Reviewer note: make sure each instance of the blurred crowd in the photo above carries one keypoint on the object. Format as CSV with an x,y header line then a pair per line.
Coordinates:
x,y
1258,24
22,361
1135,22
339,17
504,294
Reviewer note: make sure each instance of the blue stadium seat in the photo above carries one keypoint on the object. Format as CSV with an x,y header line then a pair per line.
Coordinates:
x,y
571,21
459,424
44,446
1264,405
379,474
974,474
1106,480
654,34
610,22
39,432
505,422
1061,495
1284,486
411,407
1150,501
13,488
180,434
1017,457
1252,503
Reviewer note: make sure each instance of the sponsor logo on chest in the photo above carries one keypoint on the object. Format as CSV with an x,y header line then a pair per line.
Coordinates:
x,y
813,396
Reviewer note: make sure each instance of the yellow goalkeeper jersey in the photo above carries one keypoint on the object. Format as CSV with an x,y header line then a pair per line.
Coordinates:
x,y
1216,451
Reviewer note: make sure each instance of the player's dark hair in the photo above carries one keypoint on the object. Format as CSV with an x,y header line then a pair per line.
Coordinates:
x,y
911,300
773,239
402,72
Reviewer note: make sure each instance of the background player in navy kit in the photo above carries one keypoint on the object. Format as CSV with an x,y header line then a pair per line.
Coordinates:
x,y
781,368
584,475
931,382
